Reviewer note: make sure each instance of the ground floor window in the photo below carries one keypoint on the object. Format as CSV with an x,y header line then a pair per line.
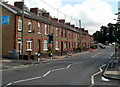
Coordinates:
x,y
57,45
29,44
19,45
65,44
45,45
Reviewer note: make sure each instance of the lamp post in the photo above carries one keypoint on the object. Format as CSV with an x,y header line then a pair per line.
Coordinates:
x,y
22,33
80,34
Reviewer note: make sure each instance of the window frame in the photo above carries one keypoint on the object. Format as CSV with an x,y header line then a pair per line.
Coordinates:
x,y
45,45
57,45
39,27
19,24
30,46
30,24
45,29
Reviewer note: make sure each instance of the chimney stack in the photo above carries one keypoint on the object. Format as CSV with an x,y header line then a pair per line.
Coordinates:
x,y
55,19
19,4
68,23
62,21
73,26
77,28
35,10
47,15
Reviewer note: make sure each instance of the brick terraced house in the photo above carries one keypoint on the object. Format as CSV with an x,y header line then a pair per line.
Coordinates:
x,y
37,27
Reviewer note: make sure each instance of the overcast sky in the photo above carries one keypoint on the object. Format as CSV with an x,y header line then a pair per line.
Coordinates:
x,y
92,13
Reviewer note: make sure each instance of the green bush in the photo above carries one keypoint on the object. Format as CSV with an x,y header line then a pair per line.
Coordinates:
x,y
93,47
51,50
83,48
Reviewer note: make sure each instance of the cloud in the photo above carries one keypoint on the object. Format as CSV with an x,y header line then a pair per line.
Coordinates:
x,y
92,13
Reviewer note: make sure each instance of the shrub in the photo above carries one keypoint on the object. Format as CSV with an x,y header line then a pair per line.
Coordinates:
x,y
92,47
51,50
84,48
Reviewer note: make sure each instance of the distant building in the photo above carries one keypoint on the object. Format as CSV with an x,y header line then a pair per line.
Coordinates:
x,y
37,27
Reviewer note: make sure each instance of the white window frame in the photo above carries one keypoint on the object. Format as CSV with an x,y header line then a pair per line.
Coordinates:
x,y
20,42
30,23
46,29
45,45
39,27
30,48
57,45
57,31
19,24
65,45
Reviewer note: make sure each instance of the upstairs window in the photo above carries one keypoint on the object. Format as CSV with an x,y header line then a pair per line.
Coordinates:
x,y
46,29
57,31
20,24
65,33
29,26
39,28
29,44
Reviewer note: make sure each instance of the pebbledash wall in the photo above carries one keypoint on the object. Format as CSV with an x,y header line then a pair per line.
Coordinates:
x,y
37,27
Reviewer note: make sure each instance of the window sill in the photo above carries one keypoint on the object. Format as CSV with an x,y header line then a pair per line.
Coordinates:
x,y
56,48
39,33
19,30
45,49
29,50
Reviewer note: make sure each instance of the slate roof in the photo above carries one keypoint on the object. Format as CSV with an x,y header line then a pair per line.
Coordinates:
x,y
40,18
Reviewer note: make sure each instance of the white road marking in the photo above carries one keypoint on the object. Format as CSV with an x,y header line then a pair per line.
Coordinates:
x,y
28,79
96,54
42,75
57,69
9,84
46,73
69,66
92,77
104,79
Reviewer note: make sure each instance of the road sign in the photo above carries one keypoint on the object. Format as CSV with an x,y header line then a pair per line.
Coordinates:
x,y
4,20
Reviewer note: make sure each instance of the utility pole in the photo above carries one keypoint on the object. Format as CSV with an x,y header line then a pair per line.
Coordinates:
x,y
22,29
80,33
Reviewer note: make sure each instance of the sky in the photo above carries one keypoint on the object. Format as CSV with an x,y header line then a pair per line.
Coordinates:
x,y
92,13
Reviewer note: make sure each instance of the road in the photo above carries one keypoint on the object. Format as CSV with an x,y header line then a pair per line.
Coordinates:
x,y
77,70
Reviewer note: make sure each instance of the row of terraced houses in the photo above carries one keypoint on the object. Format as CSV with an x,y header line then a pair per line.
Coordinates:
x,y
37,27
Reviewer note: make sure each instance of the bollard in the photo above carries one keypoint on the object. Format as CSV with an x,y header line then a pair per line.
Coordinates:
x,y
38,56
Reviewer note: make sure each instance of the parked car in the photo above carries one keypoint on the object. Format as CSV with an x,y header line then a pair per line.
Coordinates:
x,y
102,46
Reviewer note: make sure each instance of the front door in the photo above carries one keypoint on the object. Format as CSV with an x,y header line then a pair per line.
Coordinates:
x,y
19,47
62,47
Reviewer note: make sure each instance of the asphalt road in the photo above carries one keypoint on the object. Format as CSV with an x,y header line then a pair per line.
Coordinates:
x,y
77,70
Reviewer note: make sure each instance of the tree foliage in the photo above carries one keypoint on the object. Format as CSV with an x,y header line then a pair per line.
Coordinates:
x,y
108,34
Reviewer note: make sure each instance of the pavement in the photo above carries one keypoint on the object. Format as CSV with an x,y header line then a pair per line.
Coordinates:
x,y
112,70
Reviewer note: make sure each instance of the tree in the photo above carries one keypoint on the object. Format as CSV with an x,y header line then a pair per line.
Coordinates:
x,y
109,33
43,10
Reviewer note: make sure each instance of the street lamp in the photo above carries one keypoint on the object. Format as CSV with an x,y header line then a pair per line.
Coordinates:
x,y
22,33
